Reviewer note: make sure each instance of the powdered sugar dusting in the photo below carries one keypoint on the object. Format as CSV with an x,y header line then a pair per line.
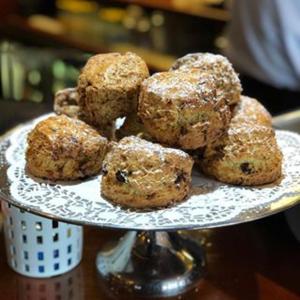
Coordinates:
x,y
133,143
218,66
182,86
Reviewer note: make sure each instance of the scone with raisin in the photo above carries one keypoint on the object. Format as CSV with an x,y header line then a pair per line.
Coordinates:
x,y
183,109
247,155
61,148
141,174
66,102
250,110
217,66
108,87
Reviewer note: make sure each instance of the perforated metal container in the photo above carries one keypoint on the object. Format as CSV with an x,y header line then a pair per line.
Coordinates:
x,y
40,247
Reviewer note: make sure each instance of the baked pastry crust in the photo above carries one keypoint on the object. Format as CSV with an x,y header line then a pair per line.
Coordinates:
x,y
66,102
109,86
141,174
217,66
250,110
248,154
61,148
183,109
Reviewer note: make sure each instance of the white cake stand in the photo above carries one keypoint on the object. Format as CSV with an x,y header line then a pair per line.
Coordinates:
x,y
153,258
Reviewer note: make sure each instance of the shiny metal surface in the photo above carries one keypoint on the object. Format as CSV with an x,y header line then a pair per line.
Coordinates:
x,y
152,264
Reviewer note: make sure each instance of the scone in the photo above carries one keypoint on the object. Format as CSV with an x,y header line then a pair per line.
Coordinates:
x,y
247,155
61,148
109,86
66,102
183,109
132,126
141,174
250,110
219,67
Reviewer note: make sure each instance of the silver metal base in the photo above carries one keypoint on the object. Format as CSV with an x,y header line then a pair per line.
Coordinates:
x,y
157,264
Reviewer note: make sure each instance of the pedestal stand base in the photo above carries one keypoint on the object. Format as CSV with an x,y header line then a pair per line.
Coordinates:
x,y
157,264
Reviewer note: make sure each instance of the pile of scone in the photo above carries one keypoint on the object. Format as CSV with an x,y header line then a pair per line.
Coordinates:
x,y
192,113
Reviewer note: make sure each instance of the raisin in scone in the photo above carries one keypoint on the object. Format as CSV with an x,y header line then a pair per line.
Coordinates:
x,y
183,109
217,66
141,174
247,155
62,148
109,86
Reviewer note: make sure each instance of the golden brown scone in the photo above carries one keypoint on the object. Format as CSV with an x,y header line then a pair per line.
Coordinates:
x,y
61,148
109,86
66,102
132,126
183,109
251,111
247,155
141,174
219,67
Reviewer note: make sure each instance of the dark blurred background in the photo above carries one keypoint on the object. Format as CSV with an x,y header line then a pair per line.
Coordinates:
x,y
43,44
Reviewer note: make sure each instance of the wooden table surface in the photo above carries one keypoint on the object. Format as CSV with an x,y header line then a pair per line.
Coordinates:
x,y
258,260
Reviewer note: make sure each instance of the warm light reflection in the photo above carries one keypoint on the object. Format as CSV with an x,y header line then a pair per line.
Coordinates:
x,y
77,5
66,286
285,202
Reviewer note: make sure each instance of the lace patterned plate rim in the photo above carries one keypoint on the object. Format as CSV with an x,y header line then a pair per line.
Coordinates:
x,y
211,203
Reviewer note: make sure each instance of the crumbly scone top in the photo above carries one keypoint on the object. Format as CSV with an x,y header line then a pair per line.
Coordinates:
x,y
134,143
114,69
215,64
191,87
59,128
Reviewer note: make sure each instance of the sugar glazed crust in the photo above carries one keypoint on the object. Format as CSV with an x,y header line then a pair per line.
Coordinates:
x,y
248,154
61,148
109,86
141,174
250,110
217,66
183,109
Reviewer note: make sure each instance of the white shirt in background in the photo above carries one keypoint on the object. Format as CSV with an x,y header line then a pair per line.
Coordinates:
x,y
264,41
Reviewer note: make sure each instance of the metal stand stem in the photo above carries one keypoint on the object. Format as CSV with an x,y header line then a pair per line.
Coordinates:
x,y
152,264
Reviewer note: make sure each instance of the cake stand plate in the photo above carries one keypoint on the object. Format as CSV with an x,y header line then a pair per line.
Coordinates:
x,y
153,259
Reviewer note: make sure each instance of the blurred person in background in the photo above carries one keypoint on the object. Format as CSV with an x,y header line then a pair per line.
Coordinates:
x,y
264,47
